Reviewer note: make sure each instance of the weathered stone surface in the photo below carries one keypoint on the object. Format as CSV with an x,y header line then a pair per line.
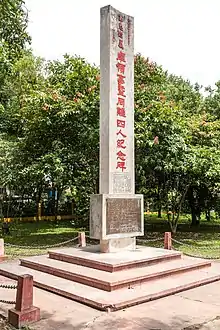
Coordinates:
x,y
194,309
121,183
115,291
113,179
115,245
123,215
116,216
24,311
82,239
96,216
24,298
21,318
168,241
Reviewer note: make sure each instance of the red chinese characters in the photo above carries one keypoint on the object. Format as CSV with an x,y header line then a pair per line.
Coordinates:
x,y
120,123
120,44
121,156
121,101
121,112
121,57
120,143
120,133
121,68
121,96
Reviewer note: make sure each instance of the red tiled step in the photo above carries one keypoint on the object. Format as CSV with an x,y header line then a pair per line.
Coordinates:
x,y
111,262
114,300
111,281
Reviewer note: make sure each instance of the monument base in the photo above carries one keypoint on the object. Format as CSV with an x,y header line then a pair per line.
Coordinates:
x,y
113,281
116,221
118,244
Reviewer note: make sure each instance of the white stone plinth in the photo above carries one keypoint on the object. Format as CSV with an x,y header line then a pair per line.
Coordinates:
x,y
118,245
105,226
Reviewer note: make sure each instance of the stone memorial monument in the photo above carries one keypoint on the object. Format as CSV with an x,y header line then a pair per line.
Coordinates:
x,y
104,280
116,213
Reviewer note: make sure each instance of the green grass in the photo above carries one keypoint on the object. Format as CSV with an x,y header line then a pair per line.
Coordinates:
x,y
183,219
33,236
204,245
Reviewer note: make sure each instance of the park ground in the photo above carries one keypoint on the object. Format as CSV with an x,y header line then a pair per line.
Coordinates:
x,y
36,237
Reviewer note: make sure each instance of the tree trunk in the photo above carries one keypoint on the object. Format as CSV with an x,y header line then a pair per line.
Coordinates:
x,y
21,206
193,206
38,200
73,204
159,212
194,217
8,205
174,228
173,224
56,204
1,208
208,215
159,201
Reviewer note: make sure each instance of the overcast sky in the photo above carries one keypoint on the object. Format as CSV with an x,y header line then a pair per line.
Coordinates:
x,y
181,35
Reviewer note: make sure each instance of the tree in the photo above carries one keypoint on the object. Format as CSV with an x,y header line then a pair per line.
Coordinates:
x,y
13,27
174,141
50,130
56,123
13,40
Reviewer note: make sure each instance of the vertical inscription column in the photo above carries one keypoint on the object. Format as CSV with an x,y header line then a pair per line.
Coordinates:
x,y
116,214
117,103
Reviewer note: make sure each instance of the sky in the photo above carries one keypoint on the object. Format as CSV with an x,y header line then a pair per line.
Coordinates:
x,y
180,35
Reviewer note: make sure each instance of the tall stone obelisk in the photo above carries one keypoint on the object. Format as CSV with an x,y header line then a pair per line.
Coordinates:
x,y
116,214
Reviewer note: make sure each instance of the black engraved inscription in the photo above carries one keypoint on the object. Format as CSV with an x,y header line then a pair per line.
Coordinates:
x,y
123,215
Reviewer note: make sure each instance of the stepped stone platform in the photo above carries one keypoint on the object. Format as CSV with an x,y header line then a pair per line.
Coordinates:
x,y
115,280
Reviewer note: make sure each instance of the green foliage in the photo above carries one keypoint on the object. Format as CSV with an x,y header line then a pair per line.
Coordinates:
x,y
177,140
49,123
53,114
13,26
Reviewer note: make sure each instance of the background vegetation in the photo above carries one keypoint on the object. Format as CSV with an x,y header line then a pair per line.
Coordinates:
x,y
49,134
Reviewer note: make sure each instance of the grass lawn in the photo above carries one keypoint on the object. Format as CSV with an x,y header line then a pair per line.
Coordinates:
x,y
183,219
34,236
204,245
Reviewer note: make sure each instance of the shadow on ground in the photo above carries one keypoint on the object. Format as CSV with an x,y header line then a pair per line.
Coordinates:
x,y
107,321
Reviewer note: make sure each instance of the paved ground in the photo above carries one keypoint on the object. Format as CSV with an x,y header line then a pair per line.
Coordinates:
x,y
190,310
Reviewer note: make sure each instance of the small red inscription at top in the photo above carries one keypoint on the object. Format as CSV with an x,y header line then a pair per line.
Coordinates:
x,y
120,18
